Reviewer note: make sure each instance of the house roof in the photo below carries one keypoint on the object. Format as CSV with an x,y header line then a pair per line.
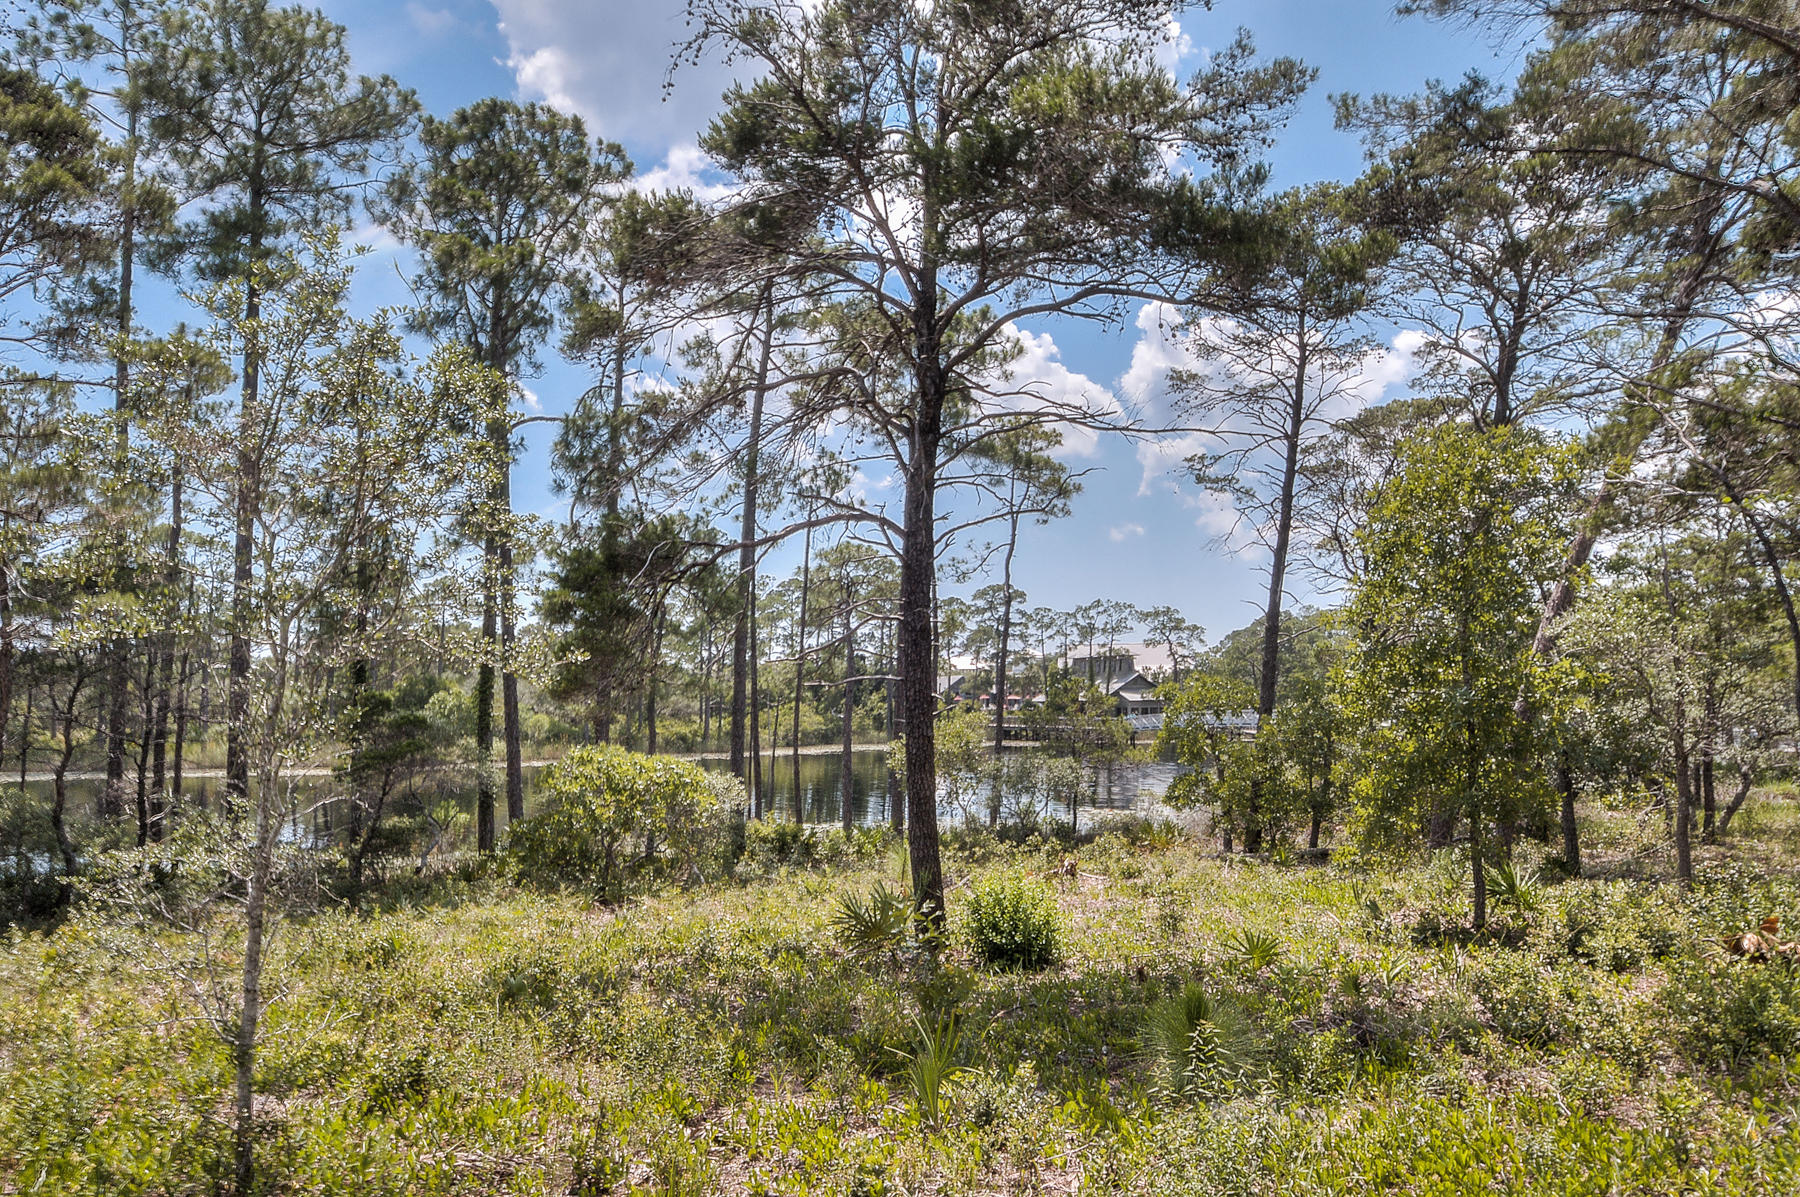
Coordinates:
x,y
1145,656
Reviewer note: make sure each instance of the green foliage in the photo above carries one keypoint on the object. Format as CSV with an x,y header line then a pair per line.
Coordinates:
x,y
1733,1013
1456,550
1012,923
931,1064
1195,1046
1507,886
612,817
872,926
1255,950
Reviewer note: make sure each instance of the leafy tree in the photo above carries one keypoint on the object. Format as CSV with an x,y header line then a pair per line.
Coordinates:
x,y
1025,144
53,196
1167,626
257,108
1459,547
497,206
1275,372
1201,727
1500,254
348,439
120,37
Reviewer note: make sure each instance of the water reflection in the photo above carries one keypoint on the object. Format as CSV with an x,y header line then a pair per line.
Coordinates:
x,y
1108,787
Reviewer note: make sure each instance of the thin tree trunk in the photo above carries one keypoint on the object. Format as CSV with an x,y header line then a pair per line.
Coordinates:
x,y
1284,528
650,685
800,667
58,782
6,641
1571,832
742,635
247,500
484,715
181,721
1709,737
250,1013
846,776
1006,604
1737,799
25,737
159,734
1684,801
509,680
755,683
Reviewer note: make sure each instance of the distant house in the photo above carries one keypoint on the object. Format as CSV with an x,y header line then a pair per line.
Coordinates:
x,y
950,686
1120,660
1134,694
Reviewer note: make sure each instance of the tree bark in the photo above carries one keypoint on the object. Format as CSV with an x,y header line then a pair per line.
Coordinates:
x,y
1284,529
120,649
247,500
484,715
746,579
917,645
800,668
1571,832
755,684
1006,604
6,642
846,776
250,1013
1737,799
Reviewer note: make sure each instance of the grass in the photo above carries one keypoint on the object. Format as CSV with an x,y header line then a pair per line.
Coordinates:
x,y
471,1038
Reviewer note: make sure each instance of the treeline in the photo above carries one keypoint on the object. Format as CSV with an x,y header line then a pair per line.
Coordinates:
x,y
266,534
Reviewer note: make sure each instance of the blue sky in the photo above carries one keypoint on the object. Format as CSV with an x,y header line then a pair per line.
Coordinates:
x,y
1137,532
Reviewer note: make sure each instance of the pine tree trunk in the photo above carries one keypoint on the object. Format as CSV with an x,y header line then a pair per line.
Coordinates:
x,y
755,683
6,641
800,668
1006,605
484,715
846,776
917,645
743,633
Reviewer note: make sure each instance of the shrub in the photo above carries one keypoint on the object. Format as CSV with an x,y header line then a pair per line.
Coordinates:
x,y
611,816
1013,923
1735,1012
1195,1046
869,928
931,1064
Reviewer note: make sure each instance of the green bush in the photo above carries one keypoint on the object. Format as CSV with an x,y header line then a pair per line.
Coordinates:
x,y
1013,923
1734,1013
612,818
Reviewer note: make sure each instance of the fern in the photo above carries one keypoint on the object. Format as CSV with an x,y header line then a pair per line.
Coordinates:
x,y
1254,948
866,928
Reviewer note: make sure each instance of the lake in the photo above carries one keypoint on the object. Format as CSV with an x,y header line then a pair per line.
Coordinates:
x,y
1117,787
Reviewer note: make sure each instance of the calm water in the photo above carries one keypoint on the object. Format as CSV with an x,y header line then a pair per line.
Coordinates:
x,y
1109,788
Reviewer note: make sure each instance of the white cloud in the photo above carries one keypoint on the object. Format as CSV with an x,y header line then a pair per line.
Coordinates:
x,y
432,22
685,168
375,238
1175,46
1163,350
609,63
1040,380
1123,532
532,403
